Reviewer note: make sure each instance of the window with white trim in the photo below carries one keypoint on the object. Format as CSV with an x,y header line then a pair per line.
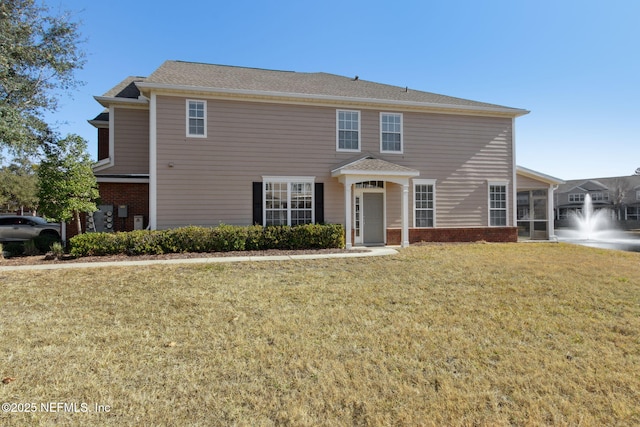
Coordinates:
x,y
600,196
390,133
424,203
497,204
348,130
637,194
576,197
196,118
288,200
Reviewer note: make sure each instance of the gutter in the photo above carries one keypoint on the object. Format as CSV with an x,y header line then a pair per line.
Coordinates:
x,y
511,112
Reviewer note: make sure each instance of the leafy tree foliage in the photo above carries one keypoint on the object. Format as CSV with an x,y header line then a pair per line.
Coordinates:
x,y
38,57
67,184
19,186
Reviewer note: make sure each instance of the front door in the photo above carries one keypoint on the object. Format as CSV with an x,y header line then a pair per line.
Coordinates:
x,y
373,218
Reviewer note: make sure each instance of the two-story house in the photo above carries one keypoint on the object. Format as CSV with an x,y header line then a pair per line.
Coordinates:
x,y
620,195
202,144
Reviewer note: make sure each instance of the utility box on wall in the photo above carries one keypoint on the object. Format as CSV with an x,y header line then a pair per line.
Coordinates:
x,y
123,211
101,220
138,222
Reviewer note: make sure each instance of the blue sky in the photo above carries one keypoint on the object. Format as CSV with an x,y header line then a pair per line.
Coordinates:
x,y
573,64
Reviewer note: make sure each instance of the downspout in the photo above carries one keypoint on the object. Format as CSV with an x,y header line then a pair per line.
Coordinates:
x,y
153,165
514,178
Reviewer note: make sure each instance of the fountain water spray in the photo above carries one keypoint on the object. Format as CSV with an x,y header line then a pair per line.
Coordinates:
x,y
591,224
596,228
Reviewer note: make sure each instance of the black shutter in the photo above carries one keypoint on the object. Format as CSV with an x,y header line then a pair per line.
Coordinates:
x,y
319,199
257,203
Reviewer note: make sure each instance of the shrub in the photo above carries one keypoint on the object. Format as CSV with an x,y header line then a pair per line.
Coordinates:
x,y
57,250
30,248
43,242
14,249
223,238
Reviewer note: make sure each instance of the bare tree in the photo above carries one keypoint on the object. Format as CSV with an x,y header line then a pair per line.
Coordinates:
x,y
617,192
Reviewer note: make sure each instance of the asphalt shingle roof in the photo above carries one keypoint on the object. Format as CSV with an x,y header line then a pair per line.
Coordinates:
x,y
372,164
181,73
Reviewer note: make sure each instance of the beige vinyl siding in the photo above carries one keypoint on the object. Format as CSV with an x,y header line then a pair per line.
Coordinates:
x,y
131,142
210,181
462,154
526,183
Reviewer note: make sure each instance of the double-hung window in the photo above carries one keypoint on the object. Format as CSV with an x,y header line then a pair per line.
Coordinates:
x,y
348,130
288,200
424,203
390,133
196,118
576,197
497,204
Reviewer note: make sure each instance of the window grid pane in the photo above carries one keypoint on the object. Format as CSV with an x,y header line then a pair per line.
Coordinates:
x,y
196,117
423,194
288,203
276,203
498,205
301,203
348,134
391,132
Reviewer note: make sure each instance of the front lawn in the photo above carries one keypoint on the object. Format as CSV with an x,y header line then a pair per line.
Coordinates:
x,y
469,334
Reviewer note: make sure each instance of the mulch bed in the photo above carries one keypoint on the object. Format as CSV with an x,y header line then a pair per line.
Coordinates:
x,y
42,259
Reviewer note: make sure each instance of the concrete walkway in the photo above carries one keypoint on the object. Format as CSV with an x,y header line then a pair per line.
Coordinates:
x,y
374,251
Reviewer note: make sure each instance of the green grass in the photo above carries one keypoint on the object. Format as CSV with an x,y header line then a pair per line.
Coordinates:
x,y
477,334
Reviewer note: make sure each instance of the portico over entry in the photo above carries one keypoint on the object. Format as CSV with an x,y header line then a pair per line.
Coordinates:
x,y
365,199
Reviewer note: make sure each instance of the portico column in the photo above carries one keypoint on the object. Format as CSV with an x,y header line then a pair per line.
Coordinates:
x,y
405,215
347,213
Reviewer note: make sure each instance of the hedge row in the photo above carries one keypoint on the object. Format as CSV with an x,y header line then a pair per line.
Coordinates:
x,y
223,238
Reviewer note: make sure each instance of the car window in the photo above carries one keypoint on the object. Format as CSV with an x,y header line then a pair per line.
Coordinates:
x,y
6,221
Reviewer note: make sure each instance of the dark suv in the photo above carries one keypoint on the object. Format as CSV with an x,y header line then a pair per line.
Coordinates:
x,y
16,228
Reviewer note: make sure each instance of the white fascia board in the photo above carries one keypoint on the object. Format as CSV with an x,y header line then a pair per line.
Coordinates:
x,y
538,176
125,180
461,109
99,123
102,164
107,101
342,171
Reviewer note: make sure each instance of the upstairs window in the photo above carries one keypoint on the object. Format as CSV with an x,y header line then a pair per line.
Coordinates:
x,y
599,196
497,205
348,130
196,118
390,133
576,197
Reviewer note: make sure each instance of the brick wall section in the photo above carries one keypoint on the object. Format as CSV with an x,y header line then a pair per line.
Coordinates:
x,y
136,196
103,143
488,234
